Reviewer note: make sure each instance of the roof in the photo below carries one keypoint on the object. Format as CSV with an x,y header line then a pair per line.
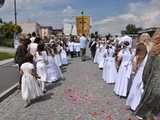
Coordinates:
x,y
151,29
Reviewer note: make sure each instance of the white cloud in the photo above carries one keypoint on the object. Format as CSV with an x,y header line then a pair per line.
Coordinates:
x,y
69,14
143,14
140,12
68,11
37,10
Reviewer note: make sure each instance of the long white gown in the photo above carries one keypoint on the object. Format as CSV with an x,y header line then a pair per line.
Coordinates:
x,y
53,71
136,91
71,46
101,57
64,58
78,47
58,60
124,73
109,69
41,66
30,88
32,48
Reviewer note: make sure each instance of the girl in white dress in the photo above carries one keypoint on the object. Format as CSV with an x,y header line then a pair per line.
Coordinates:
x,y
53,71
57,56
30,89
71,48
101,55
77,49
109,70
124,72
136,90
41,61
63,55
32,48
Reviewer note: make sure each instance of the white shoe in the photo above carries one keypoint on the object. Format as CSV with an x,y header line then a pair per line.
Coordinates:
x,y
139,118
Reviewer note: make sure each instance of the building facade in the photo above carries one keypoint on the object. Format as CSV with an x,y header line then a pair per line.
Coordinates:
x,y
30,26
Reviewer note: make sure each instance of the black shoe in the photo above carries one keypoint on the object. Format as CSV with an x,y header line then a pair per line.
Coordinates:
x,y
44,91
27,104
101,68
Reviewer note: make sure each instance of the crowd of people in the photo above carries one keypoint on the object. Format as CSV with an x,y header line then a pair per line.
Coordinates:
x,y
134,71
77,46
74,47
39,63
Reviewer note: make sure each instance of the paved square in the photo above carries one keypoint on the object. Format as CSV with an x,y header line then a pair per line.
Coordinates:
x,y
82,96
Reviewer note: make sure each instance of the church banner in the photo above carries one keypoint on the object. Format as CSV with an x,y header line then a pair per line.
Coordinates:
x,y
83,25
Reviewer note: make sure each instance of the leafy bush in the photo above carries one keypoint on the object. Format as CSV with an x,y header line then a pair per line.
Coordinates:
x,y
7,31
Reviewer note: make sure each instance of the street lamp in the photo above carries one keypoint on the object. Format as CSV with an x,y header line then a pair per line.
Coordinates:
x,y
15,12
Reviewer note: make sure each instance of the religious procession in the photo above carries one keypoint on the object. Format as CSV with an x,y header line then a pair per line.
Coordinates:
x,y
79,60
44,61
133,71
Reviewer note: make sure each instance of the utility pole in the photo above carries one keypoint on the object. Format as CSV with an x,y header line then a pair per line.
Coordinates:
x,y
1,3
16,36
82,13
15,12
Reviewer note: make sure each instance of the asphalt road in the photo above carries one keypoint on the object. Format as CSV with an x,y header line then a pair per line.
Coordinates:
x,y
8,76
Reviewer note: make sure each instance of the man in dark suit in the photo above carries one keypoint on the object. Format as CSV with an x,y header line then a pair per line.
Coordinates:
x,y
92,47
93,44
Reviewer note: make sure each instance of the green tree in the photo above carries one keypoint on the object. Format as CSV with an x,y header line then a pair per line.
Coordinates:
x,y
132,29
7,31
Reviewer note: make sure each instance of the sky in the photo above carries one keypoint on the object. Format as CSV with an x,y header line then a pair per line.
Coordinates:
x,y
108,16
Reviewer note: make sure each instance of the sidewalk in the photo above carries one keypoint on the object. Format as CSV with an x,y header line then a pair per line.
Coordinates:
x,y
2,62
82,96
7,49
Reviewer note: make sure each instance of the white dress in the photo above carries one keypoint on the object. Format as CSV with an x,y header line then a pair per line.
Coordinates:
x,y
96,55
64,57
71,46
77,47
57,59
30,88
109,69
74,46
136,91
53,71
101,56
124,73
41,66
33,48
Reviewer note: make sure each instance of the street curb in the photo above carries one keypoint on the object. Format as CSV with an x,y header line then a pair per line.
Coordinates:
x,y
7,49
3,62
8,92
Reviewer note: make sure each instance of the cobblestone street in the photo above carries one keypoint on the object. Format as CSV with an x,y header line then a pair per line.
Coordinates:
x,y
82,96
